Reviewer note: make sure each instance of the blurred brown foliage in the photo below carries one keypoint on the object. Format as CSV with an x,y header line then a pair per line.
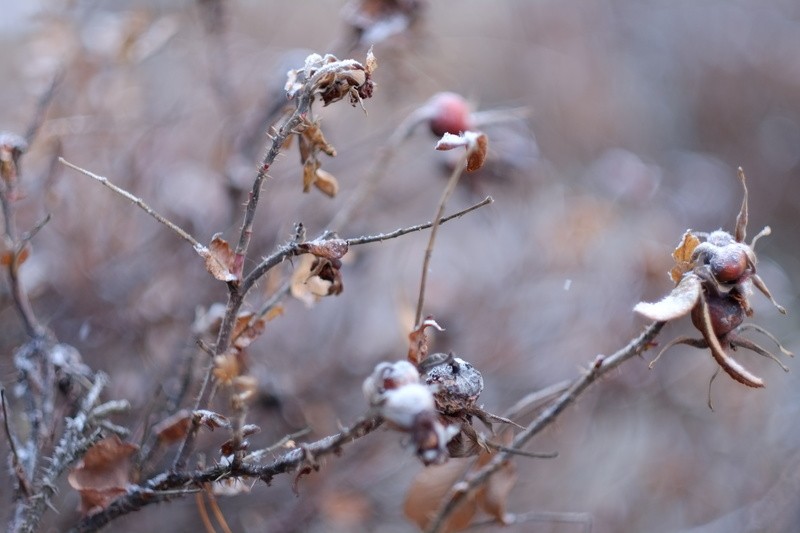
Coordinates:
x,y
641,112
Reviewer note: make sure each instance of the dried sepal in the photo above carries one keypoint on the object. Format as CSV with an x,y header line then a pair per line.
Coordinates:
x,y
418,340
476,144
683,256
761,286
741,218
676,304
728,364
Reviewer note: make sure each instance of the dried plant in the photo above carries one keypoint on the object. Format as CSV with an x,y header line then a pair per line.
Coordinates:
x,y
431,399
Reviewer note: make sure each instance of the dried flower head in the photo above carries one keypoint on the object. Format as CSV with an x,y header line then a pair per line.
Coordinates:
x,y
394,389
714,282
333,79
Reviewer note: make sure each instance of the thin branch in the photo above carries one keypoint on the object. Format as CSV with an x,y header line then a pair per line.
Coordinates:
x,y
304,100
24,487
41,107
136,200
448,190
366,239
600,366
141,496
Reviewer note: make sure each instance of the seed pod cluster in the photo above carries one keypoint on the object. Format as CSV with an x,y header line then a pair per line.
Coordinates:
x,y
714,280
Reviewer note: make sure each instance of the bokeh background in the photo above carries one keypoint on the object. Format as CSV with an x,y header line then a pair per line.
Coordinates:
x,y
637,116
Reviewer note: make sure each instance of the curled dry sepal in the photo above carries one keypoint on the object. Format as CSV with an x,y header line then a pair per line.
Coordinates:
x,y
714,281
476,144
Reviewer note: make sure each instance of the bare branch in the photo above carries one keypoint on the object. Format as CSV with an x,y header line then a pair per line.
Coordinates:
x,y
448,190
71,446
136,200
411,229
150,492
600,367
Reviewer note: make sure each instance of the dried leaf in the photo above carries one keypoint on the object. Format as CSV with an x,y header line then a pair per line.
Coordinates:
x,y
476,153
371,62
316,140
103,473
228,366
325,248
310,167
677,303
493,495
210,419
245,388
247,329
683,256
173,428
226,448
326,183
429,488
220,259
302,287
418,340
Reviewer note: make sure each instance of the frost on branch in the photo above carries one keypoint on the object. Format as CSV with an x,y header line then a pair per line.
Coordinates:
x,y
715,279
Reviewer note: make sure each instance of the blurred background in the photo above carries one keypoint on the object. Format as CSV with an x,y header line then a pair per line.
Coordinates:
x,y
637,115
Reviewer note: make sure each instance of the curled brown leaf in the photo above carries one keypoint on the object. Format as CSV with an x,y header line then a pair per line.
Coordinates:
x,y
103,474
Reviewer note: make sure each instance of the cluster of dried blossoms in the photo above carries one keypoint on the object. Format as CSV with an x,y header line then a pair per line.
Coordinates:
x,y
714,281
